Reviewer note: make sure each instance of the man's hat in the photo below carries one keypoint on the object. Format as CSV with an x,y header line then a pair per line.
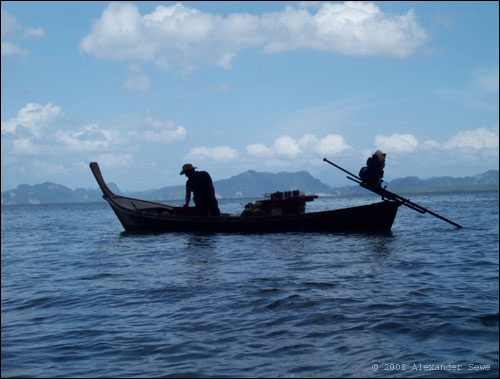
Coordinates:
x,y
380,155
187,167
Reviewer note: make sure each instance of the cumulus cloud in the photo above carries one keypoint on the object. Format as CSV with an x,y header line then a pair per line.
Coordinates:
x,y
259,150
477,139
307,145
28,127
182,35
38,130
286,146
32,117
331,145
219,153
396,143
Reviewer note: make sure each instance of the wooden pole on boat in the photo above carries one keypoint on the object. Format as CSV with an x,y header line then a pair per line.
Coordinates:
x,y
340,168
392,196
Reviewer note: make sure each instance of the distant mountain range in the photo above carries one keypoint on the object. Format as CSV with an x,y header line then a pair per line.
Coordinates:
x,y
249,184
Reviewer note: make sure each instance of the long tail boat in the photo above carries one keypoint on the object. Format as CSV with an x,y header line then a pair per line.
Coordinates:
x,y
285,214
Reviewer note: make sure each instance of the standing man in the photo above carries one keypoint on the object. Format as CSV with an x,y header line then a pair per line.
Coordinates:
x,y
200,184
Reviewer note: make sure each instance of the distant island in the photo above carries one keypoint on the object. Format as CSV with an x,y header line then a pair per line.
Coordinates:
x,y
250,184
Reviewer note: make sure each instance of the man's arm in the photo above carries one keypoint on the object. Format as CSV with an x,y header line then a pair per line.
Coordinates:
x,y
212,191
188,197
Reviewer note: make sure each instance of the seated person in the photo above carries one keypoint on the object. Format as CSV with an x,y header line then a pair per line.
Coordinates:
x,y
373,172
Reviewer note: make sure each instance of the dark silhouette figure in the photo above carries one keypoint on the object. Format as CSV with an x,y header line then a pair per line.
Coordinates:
x,y
373,172
200,184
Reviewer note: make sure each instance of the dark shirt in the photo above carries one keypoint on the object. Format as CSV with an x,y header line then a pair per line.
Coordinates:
x,y
373,172
199,185
204,199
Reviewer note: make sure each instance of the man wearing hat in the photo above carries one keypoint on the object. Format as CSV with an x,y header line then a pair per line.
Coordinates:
x,y
200,184
373,172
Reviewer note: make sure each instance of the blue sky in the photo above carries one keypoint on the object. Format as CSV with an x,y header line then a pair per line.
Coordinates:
x,y
144,87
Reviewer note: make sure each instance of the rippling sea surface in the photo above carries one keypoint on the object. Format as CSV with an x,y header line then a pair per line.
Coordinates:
x,y
80,298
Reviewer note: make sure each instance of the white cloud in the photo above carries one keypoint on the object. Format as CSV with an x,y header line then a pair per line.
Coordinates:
x,y
286,146
186,36
137,80
219,153
88,139
477,139
35,117
10,28
32,117
259,150
308,142
331,145
25,133
396,143
307,145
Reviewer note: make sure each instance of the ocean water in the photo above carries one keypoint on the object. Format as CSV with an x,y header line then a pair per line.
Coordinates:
x,y
80,298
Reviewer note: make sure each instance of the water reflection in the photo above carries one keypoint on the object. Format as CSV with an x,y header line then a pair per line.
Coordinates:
x,y
200,252
381,244
200,240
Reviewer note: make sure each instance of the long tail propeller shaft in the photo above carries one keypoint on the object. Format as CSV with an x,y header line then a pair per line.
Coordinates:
x,y
392,196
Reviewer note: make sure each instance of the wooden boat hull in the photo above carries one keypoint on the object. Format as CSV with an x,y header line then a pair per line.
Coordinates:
x,y
373,217
143,216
